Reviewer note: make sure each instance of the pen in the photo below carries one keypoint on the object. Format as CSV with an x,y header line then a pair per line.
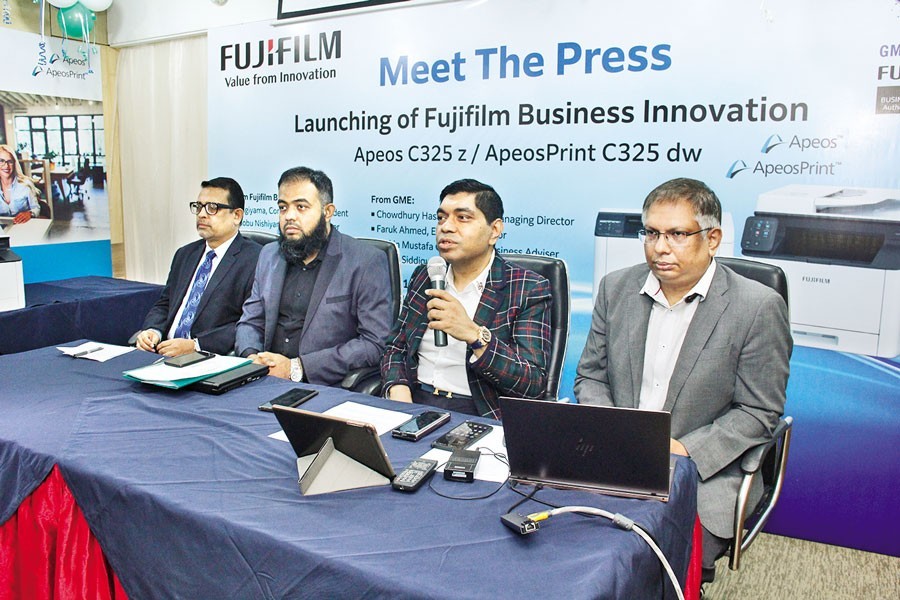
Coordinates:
x,y
86,352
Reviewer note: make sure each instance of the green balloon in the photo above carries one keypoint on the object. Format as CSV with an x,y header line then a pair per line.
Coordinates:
x,y
76,21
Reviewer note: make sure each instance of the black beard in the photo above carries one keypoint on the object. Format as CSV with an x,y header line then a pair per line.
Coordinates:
x,y
295,252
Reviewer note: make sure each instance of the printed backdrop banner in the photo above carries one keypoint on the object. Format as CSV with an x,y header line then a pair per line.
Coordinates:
x,y
49,66
580,111
574,111
75,241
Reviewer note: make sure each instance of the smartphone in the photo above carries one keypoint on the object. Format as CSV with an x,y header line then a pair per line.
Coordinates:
x,y
421,425
462,436
293,398
186,360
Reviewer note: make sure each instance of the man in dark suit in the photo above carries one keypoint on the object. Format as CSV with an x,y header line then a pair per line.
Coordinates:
x,y
496,316
321,301
685,335
208,281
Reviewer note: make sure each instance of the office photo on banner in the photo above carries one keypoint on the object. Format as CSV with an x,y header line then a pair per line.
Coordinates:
x,y
789,111
57,218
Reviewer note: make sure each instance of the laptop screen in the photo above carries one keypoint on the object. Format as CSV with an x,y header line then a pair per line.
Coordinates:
x,y
620,451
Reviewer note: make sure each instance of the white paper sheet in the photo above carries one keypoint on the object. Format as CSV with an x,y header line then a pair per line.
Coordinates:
x,y
95,351
159,371
384,420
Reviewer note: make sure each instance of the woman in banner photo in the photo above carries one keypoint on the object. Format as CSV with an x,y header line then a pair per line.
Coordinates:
x,y
18,196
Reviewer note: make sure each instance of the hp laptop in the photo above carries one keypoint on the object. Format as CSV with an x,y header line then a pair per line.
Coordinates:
x,y
619,451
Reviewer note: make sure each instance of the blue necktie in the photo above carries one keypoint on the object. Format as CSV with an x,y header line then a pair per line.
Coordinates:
x,y
190,309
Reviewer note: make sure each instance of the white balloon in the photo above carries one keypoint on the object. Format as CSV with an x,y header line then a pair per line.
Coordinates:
x,y
96,5
61,3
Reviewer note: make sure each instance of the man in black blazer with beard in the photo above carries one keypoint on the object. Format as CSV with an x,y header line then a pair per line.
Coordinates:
x,y
208,281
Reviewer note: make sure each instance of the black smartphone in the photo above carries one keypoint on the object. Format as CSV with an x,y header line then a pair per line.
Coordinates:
x,y
420,425
462,436
185,360
293,398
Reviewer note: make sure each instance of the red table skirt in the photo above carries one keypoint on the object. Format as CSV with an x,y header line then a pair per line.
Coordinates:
x,y
47,551
695,566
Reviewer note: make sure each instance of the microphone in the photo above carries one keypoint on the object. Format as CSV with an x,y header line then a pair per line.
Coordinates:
x,y
437,273
691,298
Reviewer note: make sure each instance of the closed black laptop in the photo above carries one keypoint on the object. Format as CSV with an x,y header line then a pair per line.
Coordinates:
x,y
620,451
223,382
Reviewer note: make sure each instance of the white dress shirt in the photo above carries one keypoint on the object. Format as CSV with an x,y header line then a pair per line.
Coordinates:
x,y
665,334
445,367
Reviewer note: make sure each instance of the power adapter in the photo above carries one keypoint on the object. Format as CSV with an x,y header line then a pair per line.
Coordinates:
x,y
519,523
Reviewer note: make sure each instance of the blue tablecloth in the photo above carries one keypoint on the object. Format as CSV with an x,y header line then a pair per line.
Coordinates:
x,y
190,498
97,308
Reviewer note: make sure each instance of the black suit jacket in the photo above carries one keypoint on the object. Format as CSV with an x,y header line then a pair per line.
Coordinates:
x,y
220,305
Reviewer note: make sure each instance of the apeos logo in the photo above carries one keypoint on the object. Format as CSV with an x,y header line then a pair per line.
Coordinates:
x,y
772,141
785,167
824,143
782,168
735,168
800,143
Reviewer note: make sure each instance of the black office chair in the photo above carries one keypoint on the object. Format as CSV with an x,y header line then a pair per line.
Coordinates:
x,y
367,380
76,194
768,460
45,210
557,273
260,237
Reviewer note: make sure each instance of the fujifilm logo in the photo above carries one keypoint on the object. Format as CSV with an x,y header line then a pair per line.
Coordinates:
x,y
277,51
822,280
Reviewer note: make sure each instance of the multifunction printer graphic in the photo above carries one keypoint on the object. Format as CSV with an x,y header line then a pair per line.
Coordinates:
x,y
616,243
840,249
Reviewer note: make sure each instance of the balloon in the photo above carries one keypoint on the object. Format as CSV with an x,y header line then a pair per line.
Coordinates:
x,y
76,21
97,5
61,3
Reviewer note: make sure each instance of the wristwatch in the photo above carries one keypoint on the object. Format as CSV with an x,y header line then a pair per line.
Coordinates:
x,y
483,339
296,370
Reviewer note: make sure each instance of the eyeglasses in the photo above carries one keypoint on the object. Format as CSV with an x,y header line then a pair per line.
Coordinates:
x,y
673,238
4,161
211,207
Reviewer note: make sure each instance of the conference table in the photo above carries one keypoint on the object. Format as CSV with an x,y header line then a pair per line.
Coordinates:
x,y
189,497
100,308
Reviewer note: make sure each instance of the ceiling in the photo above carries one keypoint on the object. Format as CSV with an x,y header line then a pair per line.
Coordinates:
x,y
16,101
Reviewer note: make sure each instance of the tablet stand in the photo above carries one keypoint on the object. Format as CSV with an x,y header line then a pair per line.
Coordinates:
x,y
330,470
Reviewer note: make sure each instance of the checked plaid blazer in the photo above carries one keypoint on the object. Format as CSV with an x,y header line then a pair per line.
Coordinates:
x,y
515,306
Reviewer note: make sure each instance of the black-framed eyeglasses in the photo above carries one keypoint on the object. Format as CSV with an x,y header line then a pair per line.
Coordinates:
x,y
674,238
6,161
211,207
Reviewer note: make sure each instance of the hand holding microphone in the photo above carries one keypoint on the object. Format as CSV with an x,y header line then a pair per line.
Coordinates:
x,y
446,312
437,273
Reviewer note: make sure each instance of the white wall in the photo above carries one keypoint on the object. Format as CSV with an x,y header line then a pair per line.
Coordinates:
x,y
141,21
133,22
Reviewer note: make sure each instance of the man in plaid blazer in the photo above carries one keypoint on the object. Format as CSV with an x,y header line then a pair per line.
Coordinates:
x,y
496,317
